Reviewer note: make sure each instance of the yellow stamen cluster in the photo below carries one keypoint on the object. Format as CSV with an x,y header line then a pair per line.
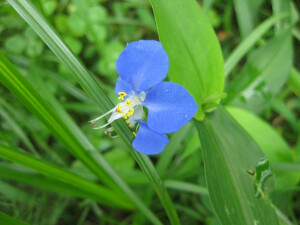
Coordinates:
x,y
128,102
118,109
131,111
121,95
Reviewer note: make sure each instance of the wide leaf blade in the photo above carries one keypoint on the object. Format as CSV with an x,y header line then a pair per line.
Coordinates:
x,y
194,52
229,154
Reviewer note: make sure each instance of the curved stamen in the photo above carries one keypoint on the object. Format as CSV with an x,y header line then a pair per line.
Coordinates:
x,y
100,127
100,117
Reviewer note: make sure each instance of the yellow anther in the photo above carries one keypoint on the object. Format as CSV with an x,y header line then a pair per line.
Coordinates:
x,y
134,133
128,102
131,110
127,121
118,109
125,117
121,95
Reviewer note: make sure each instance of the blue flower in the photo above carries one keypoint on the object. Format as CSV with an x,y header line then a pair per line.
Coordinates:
x,y
143,65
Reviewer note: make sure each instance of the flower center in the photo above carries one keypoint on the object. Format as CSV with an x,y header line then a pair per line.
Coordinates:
x,y
129,109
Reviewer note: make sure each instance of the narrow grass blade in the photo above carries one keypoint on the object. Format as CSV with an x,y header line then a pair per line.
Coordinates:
x,y
228,153
14,193
187,187
244,47
30,177
166,157
8,220
93,89
105,195
263,76
246,11
283,219
294,81
19,132
20,87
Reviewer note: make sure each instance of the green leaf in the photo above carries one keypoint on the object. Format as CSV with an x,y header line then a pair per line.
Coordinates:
x,y
287,167
282,6
18,131
76,24
8,220
120,159
263,76
294,81
14,193
229,154
271,143
246,13
187,187
15,44
244,47
195,56
74,44
68,134
283,219
97,14
103,194
26,176
21,88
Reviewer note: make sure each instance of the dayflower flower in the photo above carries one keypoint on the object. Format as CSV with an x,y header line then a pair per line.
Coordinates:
x,y
143,65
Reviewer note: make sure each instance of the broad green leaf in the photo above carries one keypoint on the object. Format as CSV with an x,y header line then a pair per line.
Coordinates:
x,y
88,82
8,220
103,194
195,56
265,73
270,142
229,154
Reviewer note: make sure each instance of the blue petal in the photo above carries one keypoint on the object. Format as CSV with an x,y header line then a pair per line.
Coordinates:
x,y
170,106
148,141
143,64
123,86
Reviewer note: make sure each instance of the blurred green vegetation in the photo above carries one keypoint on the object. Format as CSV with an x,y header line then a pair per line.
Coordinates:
x,y
97,33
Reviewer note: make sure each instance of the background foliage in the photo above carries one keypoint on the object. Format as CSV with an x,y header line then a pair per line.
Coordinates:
x,y
51,170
